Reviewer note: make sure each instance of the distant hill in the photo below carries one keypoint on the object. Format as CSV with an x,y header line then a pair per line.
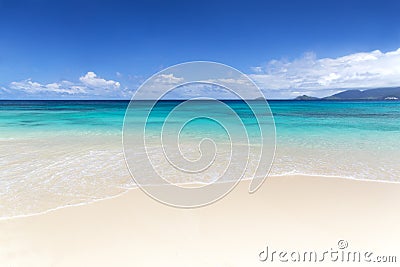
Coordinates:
x,y
392,93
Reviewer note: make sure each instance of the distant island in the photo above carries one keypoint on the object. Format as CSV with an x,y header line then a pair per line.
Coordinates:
x,y
306,97
392,93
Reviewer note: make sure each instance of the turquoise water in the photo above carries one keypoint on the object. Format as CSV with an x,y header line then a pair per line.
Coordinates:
x,y
322,124
30,118
56,153
313,123
306,116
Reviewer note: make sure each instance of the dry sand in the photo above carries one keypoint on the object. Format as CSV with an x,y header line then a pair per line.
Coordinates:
x,y
287,213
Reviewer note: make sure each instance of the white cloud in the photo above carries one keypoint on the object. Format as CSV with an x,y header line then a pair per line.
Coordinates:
x,y
278,79
31,87
158,85
176,88
180,88
168,79
233,81
89,85
93,81
257,69
4,90
320,76
193,90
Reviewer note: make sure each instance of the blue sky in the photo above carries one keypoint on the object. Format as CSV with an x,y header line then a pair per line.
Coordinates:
x,y
105,49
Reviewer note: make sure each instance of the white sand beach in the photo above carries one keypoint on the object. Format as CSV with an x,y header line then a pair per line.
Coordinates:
x,y
287,213
115,113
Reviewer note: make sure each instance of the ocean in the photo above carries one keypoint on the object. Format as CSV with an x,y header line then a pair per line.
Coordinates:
x,y
59,153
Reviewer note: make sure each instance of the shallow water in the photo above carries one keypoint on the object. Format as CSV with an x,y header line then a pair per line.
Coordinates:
x,y
57,153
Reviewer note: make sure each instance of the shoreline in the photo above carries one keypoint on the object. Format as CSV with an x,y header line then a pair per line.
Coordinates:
x,y
128,190
289,212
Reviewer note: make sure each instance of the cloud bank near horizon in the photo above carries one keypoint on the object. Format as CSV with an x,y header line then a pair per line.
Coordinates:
x,y
324,76
277,78
88,86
